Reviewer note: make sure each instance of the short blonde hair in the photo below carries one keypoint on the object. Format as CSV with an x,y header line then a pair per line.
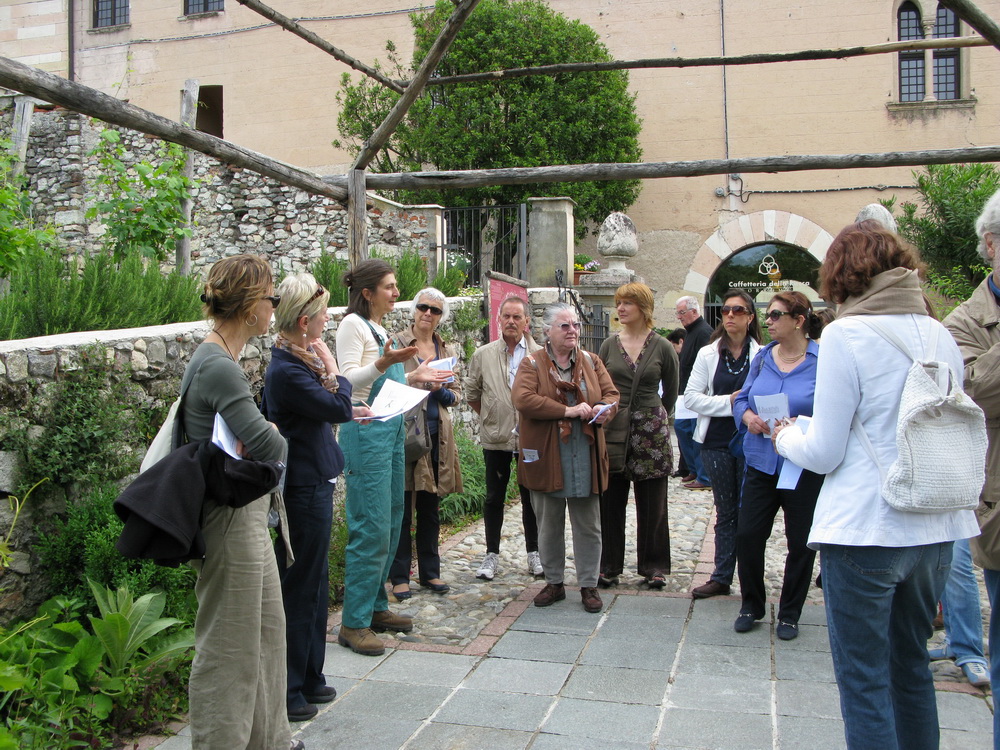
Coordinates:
x,y
639,294
298,298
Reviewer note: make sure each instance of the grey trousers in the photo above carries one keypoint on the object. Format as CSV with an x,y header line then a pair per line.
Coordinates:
x,y
238,678
585,517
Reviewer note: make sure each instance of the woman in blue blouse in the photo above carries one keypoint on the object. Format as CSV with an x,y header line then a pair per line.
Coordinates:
x,y
786,365
304,393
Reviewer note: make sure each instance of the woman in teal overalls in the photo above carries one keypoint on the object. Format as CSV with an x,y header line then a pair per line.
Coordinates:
x,y
374,464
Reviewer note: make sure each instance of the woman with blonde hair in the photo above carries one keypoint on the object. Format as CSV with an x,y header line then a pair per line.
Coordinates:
x,y
237,684
643,366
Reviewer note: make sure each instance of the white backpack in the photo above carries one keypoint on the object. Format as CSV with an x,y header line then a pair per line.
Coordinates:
x,y
940,435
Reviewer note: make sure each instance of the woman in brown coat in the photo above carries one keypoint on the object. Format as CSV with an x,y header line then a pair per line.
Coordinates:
x,y
437,473
558,393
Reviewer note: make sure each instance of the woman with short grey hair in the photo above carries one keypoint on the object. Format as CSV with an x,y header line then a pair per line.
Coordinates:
x,y
431,296
988,223
561,393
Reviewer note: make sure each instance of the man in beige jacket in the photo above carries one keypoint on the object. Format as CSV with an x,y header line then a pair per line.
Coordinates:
x,y
487,388
975,324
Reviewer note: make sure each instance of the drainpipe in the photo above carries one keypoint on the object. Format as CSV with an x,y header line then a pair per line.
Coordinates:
x,y
71,39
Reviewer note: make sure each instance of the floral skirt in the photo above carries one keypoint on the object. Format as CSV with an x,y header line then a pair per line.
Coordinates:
x,y
649,454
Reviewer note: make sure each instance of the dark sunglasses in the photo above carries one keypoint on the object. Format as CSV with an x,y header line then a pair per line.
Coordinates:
x,y
422,307
775,315
316,295
734,309
274,299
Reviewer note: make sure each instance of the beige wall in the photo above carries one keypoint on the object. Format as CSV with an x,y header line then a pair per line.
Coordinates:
x,y
280,97
35,33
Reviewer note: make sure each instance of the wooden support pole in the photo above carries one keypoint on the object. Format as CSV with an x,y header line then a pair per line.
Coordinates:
x,y
357,248
24,109
701,62
383,132
657,170
189,116
317,41
88,101
976,18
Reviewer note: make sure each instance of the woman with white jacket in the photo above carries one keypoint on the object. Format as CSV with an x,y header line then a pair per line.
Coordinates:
x,y
883,569
718,374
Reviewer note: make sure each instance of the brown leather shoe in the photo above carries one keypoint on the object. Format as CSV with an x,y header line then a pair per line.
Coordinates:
x,y
688,478
696,485
553,592
360,641
712,588
591,599
389,621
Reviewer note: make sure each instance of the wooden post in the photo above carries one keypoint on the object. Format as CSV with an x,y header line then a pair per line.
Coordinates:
x,y
189,115
969,12
357,248
24,108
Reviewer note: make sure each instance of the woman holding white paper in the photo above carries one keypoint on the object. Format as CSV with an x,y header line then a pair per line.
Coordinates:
x,y
786,366
437,473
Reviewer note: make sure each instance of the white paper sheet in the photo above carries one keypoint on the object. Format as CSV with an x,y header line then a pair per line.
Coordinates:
x,y
772,408
681,411
603,408
394,399
788,479
224,437
448,363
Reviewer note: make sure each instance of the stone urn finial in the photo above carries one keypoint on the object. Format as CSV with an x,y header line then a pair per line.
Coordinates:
x,y
617,240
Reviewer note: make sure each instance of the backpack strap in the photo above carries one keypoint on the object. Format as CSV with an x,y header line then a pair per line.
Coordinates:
x,y
941,371
866,443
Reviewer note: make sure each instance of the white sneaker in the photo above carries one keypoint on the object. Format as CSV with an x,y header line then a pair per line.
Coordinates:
x,y
976,673
489,567
535,564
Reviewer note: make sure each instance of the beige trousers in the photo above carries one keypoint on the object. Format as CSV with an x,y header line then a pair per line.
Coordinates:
x,y
237,687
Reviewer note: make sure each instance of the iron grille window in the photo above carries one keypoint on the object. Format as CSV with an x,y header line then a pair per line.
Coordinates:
x,y
110,13
911,64
202,6
946,67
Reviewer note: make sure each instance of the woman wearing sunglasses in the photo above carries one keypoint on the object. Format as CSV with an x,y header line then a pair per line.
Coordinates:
x,y
719,372
559,392
305,394
787,365
437,473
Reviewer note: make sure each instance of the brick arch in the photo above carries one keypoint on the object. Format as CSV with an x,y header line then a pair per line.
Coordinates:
x,y
752,229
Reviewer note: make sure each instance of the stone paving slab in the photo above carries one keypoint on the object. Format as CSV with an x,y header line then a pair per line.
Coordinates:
x,y
616,684
739,695
598,720
520,676
488,708
714,729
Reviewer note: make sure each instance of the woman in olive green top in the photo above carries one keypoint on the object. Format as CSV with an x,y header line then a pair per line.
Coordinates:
x,y
643,366
237,685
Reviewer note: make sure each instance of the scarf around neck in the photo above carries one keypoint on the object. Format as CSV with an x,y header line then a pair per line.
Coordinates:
x,y
309,358
563,387
893,292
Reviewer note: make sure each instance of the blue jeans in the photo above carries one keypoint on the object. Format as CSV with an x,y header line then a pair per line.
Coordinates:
x,y
726,474
305,586
993,589
880,605
963,616
684,429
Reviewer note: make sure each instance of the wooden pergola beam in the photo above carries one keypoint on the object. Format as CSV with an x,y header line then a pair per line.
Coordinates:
x,y
88,101
388,126
976,18
317,41
657,170
699,62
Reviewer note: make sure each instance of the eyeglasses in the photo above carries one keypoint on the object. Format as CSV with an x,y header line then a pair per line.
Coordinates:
x,y
423,307
566,326
274,299
681,314
775,315
316,295
734,309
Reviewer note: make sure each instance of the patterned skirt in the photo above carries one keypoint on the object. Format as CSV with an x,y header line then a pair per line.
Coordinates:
x,y
649,455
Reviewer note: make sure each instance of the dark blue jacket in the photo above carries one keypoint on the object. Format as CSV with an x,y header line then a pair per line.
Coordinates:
x,y
296,401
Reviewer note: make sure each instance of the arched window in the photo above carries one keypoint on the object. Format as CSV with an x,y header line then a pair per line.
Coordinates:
x,y
913,65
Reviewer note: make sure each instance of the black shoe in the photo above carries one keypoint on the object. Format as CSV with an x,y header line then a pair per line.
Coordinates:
x,y
437,588
302,713
606,582
745,623
786,630
297,745
324,694
402,595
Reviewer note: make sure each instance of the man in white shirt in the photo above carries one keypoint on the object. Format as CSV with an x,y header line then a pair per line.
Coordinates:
x,y
487,387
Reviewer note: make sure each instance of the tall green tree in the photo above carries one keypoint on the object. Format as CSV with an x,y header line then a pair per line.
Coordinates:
x,y
535,121
943,225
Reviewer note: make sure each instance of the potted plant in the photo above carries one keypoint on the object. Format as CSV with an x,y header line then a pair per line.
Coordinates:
x,y
583,265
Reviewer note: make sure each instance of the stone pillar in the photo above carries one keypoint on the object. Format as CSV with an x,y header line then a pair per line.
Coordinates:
x,y
551,240
616,242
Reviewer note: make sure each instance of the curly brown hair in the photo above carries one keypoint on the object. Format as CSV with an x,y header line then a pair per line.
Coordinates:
x,y
859,253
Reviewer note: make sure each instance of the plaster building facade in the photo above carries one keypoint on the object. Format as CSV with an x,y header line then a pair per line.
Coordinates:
x,y
270,91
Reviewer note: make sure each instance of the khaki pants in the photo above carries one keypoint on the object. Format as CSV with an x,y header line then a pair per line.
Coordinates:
x,y
237,687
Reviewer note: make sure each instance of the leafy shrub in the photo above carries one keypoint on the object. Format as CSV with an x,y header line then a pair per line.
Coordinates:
x,y
49,294
19,236
338,552
329,271
449,281
80,549
466,321
411,274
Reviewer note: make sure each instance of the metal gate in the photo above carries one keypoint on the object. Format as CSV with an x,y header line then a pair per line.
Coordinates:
x,y
487,237
596,328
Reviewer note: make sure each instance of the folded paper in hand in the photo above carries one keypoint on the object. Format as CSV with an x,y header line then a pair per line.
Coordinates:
x,y
393,400
448,363
224,437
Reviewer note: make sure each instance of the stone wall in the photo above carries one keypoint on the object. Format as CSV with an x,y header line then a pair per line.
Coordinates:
x,y
234,210
153,359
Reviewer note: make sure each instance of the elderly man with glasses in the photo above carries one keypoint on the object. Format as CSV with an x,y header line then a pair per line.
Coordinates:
x,y
697,334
